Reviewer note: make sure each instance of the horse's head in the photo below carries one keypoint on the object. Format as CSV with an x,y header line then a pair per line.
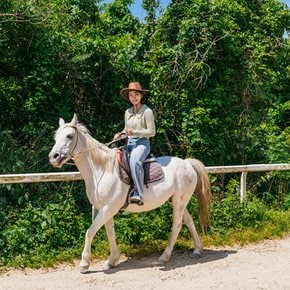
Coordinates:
x,y
66,139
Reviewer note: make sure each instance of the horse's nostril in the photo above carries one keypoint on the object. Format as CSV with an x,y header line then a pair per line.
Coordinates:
x,y
56,155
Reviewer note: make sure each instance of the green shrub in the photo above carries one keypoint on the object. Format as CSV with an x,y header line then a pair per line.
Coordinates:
x,y
251,220
143,227
39,234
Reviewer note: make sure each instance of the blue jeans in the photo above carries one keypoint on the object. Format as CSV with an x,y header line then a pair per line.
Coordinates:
x,y
139,149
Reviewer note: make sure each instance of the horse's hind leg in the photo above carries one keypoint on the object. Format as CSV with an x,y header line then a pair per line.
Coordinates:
x,y
187,219
178,210
114,251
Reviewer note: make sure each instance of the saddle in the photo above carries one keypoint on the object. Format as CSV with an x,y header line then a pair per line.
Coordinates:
x,y
152,169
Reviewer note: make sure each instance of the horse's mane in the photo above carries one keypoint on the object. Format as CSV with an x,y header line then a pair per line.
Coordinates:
x,y
83,129
100,153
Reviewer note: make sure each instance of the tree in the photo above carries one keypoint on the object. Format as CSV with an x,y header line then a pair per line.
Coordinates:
x,y
210,63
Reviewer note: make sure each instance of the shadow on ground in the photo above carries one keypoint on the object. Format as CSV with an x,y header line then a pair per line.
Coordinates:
x,y
179,259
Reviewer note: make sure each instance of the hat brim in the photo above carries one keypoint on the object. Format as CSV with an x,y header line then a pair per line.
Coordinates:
x,y
124,92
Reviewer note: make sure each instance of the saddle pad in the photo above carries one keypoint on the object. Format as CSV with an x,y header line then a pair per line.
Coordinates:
x,y
152,171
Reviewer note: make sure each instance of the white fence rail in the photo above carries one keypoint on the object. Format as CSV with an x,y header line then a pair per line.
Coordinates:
x,y
69,176
244,169
39,177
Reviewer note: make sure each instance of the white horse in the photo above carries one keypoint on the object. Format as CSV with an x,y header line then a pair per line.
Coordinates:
x,y
98,166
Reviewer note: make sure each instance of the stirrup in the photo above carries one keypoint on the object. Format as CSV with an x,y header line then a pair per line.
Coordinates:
x,y
139,202
136,200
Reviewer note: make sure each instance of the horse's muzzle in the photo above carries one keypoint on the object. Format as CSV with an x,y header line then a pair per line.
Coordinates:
x,y
57,159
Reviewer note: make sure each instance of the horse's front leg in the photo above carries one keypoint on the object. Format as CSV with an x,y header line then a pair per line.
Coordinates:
x,y
114,251
103,216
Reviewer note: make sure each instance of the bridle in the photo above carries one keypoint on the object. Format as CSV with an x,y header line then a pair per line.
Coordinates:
x,y
71,152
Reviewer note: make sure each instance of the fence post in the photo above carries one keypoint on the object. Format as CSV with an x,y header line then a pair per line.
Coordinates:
x,y
243,185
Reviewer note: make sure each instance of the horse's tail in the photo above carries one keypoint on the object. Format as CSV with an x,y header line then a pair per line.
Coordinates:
x,y
203,192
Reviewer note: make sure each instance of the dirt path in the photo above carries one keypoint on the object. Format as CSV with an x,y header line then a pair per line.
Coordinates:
x,y
265,265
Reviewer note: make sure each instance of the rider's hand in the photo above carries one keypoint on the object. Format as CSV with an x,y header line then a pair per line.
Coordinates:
x,y
117,136
128,131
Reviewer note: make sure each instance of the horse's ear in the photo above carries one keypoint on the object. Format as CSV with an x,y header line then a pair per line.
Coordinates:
x,y
61,122
74,120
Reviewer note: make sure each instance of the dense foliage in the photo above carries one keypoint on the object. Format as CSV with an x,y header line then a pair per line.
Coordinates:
x,y
218,72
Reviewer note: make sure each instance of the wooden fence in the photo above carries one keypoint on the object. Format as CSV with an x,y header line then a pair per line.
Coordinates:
x,y
244,169
69,176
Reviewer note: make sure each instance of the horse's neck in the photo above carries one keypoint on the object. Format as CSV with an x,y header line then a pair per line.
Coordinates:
x,y
93,158
96,164
84,166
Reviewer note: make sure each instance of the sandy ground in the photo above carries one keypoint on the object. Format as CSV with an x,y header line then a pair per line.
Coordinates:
x,y
265,265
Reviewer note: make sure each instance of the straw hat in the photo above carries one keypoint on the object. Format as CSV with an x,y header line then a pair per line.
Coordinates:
x,y
133,86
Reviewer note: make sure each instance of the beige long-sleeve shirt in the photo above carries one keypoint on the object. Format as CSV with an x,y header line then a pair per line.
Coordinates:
x,y
142,123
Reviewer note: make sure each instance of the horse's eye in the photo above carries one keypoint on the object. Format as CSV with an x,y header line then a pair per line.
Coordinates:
x,y
70,136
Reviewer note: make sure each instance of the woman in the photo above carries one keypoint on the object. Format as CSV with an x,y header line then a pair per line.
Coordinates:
x,y
139,127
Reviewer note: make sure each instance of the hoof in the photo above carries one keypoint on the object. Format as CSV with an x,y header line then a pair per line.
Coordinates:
x,y
161,262
109,266
84,268
112,262
195,256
